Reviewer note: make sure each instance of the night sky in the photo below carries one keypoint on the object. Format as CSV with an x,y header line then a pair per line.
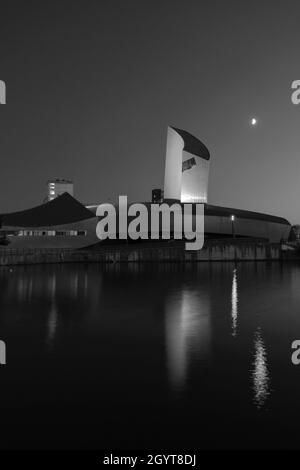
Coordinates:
x,y
93,85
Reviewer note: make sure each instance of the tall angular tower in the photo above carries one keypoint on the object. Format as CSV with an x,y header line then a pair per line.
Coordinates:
x,y
187,167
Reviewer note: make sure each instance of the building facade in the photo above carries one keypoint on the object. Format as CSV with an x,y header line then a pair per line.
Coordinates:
x,y
186,167
61,223
58,186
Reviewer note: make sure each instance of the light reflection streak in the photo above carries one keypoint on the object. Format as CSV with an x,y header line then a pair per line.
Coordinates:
x,y
52,324
260,375
234,303
188,332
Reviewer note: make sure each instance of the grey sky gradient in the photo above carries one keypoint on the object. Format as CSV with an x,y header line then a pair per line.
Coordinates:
x,y
93,85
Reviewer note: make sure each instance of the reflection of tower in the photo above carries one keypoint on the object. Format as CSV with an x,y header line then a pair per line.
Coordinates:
x,y
188,332
187,167
234,303
52,319
260,374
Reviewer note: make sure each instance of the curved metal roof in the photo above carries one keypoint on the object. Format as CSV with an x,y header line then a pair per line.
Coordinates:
x,y
218,211
192,144
242,214
60,211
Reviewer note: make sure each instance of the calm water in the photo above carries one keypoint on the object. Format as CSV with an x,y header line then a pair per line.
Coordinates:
x,y
165,357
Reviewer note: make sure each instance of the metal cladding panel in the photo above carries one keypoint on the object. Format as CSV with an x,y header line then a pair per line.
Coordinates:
x,y
173,166
194,182
193,145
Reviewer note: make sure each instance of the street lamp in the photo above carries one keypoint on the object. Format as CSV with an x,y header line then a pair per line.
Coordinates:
x,y
232,218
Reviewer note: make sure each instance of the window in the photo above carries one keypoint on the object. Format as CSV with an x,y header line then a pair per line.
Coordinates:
x,y
188,164
50,233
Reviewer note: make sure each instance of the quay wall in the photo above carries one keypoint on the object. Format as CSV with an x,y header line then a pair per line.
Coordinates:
x,y
215,251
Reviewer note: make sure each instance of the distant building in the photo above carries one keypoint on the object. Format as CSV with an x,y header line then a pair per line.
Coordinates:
x,y
58,186
157,196
63,222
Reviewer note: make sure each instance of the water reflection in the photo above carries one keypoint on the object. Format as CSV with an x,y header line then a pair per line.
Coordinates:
x,y
52,319
111,337
52,324
260,375
188,333
234,303
50,299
